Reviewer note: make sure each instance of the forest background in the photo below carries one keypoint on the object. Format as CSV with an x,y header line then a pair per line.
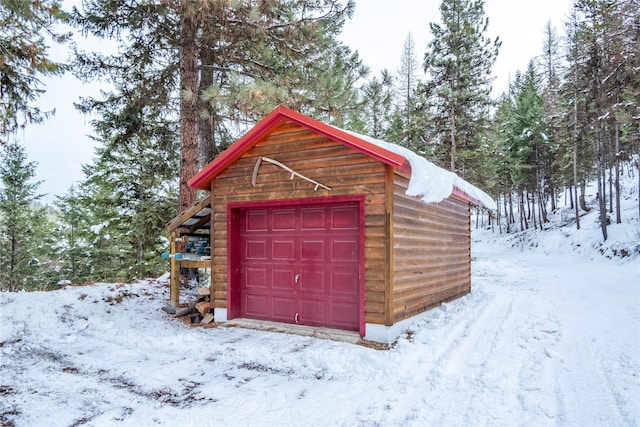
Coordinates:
x,y
189,77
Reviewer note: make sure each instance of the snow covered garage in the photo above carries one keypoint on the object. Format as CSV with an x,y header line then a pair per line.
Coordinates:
x,y
318,226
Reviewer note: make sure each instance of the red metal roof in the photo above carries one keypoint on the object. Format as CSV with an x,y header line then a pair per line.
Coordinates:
x,y
202,180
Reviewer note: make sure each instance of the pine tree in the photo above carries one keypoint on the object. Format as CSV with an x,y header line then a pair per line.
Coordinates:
x,y
524,136
551,66
73,247
458,64
407,78
405,124
128,199
372,116
19,220
249,57
24,59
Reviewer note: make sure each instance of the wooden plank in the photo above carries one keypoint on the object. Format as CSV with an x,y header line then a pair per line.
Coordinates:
x,y
194,263
188,213
174,275
331,174
428,281
389,263
412,307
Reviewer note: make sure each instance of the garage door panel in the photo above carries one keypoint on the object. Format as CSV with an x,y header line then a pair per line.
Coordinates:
x,y
256,220
343,314
256,277
284,278
284,219
284,308
304,267
312,249
344,282
345,218
312,311
344,249
257,305
313,278
283,249
312,219
255,249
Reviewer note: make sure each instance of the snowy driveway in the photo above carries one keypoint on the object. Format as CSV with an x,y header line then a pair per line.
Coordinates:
x,y
542,340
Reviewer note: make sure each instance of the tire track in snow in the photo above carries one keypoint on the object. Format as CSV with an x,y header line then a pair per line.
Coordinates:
x,y
466,379
591,365
459,340
473,395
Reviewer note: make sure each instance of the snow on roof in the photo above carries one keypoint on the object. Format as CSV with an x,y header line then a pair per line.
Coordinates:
x,y
430,182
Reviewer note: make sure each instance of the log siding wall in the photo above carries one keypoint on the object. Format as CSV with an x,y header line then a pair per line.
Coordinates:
x,y
431,251
344,170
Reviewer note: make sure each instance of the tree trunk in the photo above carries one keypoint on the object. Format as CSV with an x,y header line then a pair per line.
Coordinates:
x,y
523,219
617,178
510,217
542,211
506,215
498,213
532,208
571,190
453,139
602,202
600,159
207,145
575,141
13,282
188,103
583,203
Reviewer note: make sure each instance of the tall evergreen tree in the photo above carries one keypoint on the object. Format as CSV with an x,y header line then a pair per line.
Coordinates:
x,y
249,57
73,247
405,125
524,134
458,64
19,219
374,107
407,74
128,197
24,59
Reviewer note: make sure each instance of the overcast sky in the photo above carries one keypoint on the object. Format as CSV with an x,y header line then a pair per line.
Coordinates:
x,y
377,31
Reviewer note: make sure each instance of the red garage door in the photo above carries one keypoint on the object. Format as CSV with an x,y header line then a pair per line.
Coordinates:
x,y
300,264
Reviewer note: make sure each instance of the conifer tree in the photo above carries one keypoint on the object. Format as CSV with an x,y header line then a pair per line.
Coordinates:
x,y
24,59
372,116
249,57
19,220
128,197
458,64
407,77
524,134
73,247
406,122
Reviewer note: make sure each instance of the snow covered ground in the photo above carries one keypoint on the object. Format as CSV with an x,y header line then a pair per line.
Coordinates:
x,y
550,335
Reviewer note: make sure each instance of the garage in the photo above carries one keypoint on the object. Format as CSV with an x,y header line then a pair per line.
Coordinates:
x,y
299,264
314,225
